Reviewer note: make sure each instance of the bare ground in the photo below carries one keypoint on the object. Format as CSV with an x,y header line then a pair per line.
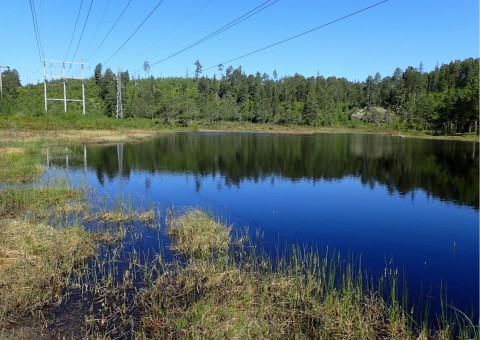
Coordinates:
x,y
84,136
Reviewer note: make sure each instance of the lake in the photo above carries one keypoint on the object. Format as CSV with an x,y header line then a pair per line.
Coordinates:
x,y
407,203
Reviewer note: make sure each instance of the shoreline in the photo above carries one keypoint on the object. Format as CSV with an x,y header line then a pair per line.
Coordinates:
x,y
104,136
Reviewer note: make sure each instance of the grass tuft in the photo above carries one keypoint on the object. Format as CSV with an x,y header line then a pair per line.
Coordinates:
x,y
196,234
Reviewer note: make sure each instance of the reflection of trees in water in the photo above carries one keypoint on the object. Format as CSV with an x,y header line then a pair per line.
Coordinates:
x,y
448,170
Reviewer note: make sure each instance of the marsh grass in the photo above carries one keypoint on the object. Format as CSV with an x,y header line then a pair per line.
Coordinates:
x,y
197,234
36,259
35,264
215,286
121,216
19,164
39,202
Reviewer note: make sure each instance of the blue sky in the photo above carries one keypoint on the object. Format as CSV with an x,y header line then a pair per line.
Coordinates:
x,y
397,33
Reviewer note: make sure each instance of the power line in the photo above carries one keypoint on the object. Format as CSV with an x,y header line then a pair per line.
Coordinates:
x,y
110,31
298,35
38,30
177,27
98,26
139,26
231,24
35,28
189,18
74,29
83,30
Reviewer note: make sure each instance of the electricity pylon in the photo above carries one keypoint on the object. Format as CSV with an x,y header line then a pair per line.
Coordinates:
x,y
119,94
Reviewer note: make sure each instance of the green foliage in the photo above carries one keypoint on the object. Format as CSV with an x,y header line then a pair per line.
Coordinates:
x,y
444,100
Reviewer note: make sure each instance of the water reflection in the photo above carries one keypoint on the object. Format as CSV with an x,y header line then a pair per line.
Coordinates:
x,y
447,170
359,194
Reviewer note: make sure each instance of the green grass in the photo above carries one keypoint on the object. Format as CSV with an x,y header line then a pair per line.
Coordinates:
x,y
20,163
96,121
39,202
75,120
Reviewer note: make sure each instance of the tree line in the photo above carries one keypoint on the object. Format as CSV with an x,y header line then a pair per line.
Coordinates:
x,y
444,100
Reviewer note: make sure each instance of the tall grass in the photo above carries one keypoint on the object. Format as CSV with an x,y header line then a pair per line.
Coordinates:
x,y
19,163
36,261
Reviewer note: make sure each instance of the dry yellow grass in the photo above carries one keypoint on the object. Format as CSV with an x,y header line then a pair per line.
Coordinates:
x,y
11,150
121,216
35,263
83,136
134,135
195,233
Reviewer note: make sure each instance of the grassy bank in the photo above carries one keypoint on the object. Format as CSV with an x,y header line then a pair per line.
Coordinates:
x,y
96,128
36,259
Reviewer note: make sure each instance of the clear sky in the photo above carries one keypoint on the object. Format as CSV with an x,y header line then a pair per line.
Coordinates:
x,y
397,33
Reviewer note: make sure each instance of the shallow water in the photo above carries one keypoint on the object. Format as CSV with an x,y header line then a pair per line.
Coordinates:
x,y
409,203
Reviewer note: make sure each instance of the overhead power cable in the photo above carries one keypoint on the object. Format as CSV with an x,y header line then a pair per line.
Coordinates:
x,y
231,24
189,18
74,29
35,28
298,35
98,26
131,35
110,31
83,30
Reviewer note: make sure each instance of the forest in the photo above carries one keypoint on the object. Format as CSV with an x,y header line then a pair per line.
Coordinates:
x,y
443,101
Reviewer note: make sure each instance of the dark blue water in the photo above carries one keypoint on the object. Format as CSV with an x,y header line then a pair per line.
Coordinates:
x,y
410,202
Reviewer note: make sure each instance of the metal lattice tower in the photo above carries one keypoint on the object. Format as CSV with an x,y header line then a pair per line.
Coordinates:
x,y
119,94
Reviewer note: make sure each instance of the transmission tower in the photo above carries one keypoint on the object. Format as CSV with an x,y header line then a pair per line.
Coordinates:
x,y
119,94
146,67
61,74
